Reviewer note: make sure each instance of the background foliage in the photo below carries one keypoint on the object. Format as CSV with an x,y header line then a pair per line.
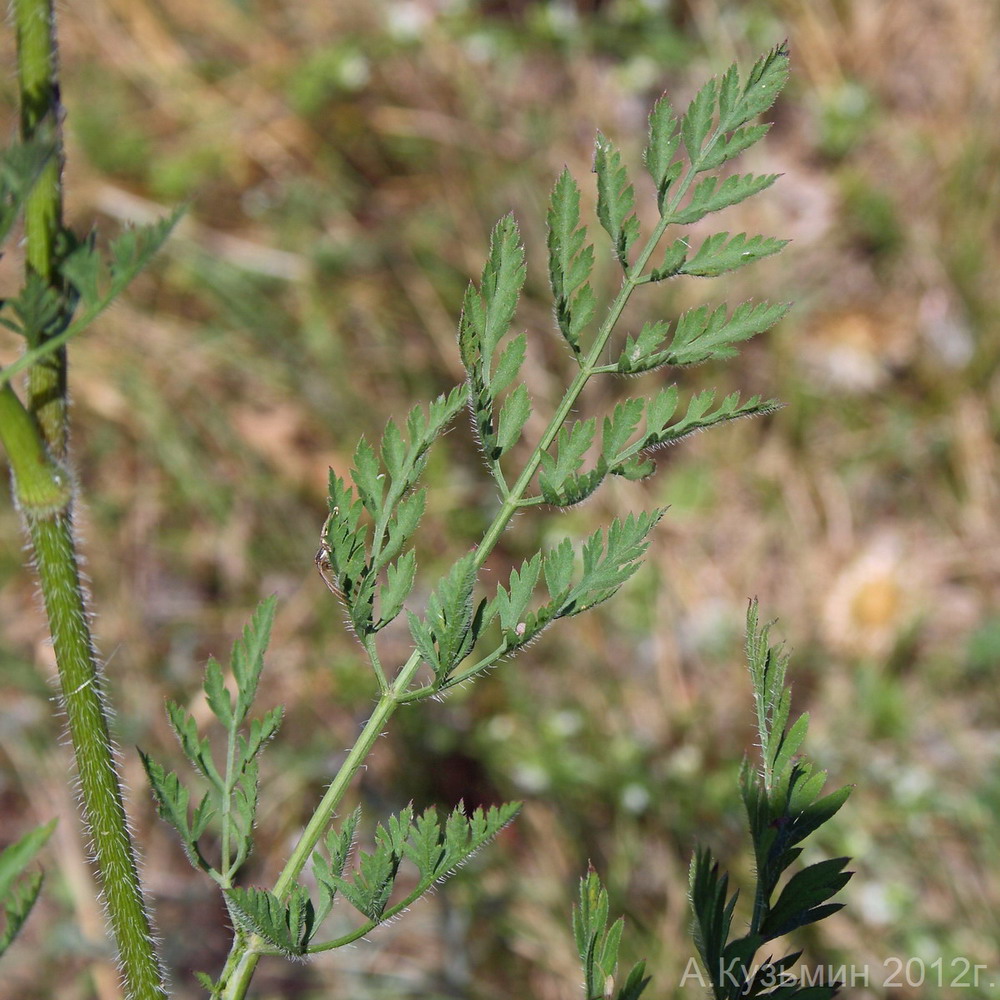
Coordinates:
x,y
344,164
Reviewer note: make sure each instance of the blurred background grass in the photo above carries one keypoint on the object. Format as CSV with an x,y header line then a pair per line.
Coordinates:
x,y
344,164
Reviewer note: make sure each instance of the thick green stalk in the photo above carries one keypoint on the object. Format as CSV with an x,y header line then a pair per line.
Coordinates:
x,y
55,559
35,438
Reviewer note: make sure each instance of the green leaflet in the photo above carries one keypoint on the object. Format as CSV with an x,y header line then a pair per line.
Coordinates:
x,y
609,559
615,199
761,89
697,122
572,444
437,851
719,254
661,148
571,261
19,888
172,802
783,805
700,334
231,797
99,279
712,196
488,313
45,317
513,416
452,624
598,946
356,550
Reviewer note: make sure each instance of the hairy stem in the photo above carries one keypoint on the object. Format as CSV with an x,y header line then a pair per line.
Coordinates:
x,y
35,438
245,953
53,544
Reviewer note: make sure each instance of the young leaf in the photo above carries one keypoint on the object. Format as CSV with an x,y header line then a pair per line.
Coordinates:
x,y
782,809
598,945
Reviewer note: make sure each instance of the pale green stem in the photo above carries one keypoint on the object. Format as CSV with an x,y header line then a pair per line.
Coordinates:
x,y
35,440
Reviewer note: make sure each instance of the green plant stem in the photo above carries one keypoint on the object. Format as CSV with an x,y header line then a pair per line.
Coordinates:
x,y
246,952
35,437
53,544
43,225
